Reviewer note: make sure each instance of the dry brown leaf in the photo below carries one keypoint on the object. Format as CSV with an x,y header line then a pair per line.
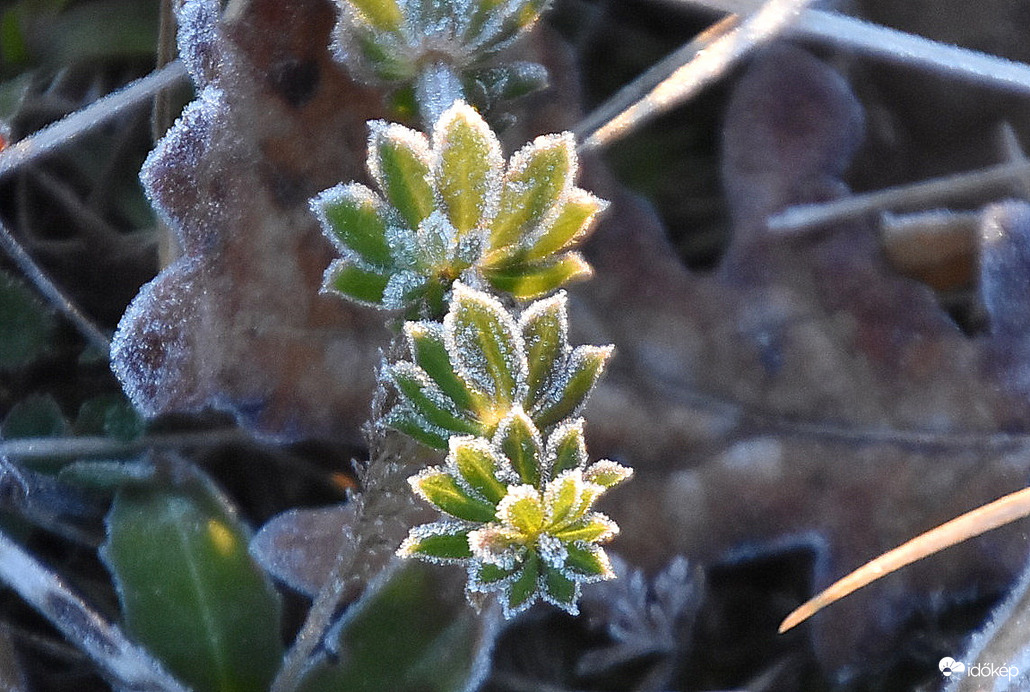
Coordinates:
x,y
803,391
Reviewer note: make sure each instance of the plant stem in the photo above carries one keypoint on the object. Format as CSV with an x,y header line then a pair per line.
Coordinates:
x,y
436,88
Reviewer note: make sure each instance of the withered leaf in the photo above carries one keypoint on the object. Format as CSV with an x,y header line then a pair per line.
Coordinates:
x,y
804,390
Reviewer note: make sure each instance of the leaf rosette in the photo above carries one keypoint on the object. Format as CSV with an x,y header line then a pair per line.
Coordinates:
x,y
519,514
472,371
451,209
391,40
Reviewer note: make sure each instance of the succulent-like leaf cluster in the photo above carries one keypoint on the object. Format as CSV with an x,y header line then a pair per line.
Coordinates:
x,y
450,209
519,514
393,40
471,372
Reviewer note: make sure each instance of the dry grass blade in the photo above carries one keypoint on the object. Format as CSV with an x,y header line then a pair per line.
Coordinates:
x,y
93,334
707,61
969,525
127,665
97,113
896,46
808,216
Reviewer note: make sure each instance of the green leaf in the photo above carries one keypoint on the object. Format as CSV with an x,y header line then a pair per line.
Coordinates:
x,y
398,159
438,541
428,400
523,509
545,330
426,343
523,590
389,64
589,561
26,324
478,465
360,285
538,175
563,496
381,14
607,473
594,527
37,415
582,372
190,592
569,226
470,165
526,281
412,631
443,492
567,447
519,439
404,419
561,591
489,574
353,215
484,343
110,415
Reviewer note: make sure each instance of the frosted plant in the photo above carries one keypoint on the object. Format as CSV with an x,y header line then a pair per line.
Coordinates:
x,y
441,47
481,366
451,209
519,514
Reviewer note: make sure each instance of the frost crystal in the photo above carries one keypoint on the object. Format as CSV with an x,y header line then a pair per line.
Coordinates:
x,y
450,209
524,533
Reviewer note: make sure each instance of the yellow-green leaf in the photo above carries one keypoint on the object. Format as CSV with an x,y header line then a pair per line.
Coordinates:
x,y
478,466
526,280
469,167
398,158
352,214
443,492
569,226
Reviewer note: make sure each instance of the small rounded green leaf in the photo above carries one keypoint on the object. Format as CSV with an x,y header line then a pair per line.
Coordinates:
x,y
381,14
26,324
519,440
570,225
489,574
190,591
442,491
563,497
426,343
485,344
526,280
478,465
352,215
545,331
586,363
539,175
360,285
426,399
469,166
398,159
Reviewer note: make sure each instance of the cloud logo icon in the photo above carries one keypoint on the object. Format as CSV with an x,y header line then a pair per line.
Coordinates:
x,y
949,665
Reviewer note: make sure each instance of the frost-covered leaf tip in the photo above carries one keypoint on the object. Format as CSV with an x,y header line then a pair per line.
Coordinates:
x,y
519,514
482,366
450,208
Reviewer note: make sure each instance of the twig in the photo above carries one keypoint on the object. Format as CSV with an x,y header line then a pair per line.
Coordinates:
x,y
128,665
93,115
40,447
808,216
34,273
969,525
895,46
707,61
